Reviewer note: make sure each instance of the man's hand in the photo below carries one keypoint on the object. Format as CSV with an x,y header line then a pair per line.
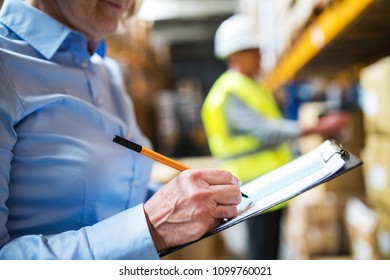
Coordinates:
x,y
332,125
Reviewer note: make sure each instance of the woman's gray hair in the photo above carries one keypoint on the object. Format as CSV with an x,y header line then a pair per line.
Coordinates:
x,y
133,9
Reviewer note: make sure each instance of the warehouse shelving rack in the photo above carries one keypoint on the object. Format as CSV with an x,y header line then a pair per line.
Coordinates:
x,y
347,34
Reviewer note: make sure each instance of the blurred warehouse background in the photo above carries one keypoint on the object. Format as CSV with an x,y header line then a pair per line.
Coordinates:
x,y
318,55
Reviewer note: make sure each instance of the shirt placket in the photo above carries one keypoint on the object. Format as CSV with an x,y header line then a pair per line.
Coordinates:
x,y
82,60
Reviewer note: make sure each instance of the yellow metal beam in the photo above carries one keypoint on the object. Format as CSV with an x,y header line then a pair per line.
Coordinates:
x,y
326,27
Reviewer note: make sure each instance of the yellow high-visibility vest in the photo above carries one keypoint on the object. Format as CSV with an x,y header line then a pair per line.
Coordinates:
x,y
241,154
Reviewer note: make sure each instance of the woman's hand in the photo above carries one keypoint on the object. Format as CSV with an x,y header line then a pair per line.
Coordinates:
x,y
190,205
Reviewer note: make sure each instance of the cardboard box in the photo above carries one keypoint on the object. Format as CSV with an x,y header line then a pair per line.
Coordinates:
x,y
369,231
376,170
308,117
361,222
323,239
314,224
383,235
350,182
375,84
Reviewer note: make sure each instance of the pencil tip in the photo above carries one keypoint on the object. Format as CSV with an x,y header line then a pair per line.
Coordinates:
x,y
244,195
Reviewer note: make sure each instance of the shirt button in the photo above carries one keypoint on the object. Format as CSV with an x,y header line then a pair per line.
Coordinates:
x,y
99,101
129,135
84,64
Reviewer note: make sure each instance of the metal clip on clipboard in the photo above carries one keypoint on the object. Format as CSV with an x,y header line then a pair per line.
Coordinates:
x,y
338,149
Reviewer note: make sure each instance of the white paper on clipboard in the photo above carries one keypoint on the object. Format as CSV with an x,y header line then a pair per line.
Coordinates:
x,y
288,181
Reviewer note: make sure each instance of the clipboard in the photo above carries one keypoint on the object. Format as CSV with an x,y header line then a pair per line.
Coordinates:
x,y
327,161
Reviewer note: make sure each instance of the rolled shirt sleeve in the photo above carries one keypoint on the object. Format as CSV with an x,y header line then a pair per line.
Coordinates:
x,y
271,132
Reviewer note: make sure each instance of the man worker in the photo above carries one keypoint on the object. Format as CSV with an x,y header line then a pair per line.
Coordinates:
x,y
245,127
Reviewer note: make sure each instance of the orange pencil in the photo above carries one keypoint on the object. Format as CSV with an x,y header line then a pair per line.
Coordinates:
x,y
149,153
153,155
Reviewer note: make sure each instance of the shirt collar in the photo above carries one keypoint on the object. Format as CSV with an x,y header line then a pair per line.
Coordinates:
x,y
31,25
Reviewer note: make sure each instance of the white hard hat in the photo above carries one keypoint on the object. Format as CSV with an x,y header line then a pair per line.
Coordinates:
x,y
237,33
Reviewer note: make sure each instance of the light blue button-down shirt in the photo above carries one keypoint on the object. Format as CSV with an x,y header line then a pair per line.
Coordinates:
x,y
66,190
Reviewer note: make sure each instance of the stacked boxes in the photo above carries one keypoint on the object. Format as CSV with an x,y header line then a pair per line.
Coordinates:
x,y
375,84
361,222
315,226
377,171
282,23
383,235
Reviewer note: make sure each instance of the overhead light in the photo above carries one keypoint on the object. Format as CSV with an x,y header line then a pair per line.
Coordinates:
x,y
155,10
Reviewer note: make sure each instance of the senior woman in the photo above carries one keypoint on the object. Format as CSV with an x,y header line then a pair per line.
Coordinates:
x,y
66,190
